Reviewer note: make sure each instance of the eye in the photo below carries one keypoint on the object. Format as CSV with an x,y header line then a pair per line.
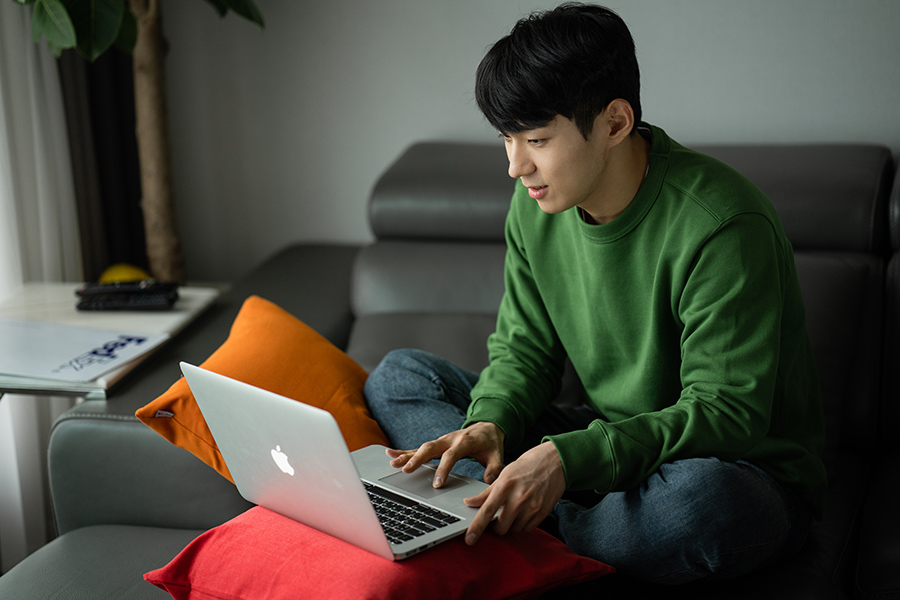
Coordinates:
x,y
537,141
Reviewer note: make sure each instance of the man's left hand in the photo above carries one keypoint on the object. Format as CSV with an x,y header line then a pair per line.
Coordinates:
x,y
527,490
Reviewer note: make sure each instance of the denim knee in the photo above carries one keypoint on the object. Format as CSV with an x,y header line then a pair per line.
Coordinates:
x,y
382,382
416,396
691,519
410,374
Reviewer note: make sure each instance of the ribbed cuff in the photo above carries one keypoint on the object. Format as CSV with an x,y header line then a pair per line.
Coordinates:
x,y
587,459
500,413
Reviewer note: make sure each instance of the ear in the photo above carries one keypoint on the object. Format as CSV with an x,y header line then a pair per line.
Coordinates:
x,y
620,120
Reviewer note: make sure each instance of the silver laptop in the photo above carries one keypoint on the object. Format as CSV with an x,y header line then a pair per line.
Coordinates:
x,y
291,458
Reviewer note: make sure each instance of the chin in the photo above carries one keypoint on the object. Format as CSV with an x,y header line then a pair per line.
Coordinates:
x,y
553,208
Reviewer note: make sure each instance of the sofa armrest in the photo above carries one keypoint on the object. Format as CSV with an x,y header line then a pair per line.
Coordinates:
x,y
109,469
106,467
878,571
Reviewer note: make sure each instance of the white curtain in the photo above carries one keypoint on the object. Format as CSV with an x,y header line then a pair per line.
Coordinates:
x,y
38,242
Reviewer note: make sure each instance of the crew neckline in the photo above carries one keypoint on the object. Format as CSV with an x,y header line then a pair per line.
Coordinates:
x,y
640,205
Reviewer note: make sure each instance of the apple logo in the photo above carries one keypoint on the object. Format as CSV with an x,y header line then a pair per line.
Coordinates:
x,y
281,459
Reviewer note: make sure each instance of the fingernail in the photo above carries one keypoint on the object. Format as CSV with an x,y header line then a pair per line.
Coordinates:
x,y
471,539
438,481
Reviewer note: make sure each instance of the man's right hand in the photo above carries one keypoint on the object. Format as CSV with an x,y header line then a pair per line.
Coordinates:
x,y
482,441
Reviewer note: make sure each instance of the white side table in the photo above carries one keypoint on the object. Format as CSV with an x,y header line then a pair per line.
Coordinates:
x,y
55,303
31,406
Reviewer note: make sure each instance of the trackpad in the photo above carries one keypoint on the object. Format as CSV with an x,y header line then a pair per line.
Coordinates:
x,y
420,482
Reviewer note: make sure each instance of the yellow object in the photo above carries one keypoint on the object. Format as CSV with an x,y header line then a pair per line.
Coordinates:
x,y
121,272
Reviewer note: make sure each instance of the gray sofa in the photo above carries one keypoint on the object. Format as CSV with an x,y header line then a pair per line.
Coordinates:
x,y
125,501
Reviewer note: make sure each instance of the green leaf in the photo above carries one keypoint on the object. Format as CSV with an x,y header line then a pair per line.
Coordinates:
x,y
220,5
97,24
54,49
248,10
50,19
127,33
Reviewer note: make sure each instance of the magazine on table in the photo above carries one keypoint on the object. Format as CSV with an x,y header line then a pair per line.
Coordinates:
x,y
41,350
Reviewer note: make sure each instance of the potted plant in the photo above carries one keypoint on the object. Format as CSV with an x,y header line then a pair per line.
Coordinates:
x,y
135,26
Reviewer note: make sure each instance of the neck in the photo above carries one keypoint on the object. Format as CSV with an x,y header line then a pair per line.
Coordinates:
x,y
628,165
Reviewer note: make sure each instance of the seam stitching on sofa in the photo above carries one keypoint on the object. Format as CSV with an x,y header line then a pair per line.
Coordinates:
x,y
99,416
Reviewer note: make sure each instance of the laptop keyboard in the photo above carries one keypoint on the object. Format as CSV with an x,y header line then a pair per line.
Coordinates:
x,y
403,519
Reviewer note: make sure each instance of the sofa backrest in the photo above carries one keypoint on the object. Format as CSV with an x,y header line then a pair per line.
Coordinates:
x,y
890,408
832,200
433,278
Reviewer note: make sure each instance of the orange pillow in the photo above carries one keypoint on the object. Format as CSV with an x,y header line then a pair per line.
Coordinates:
x,y
271,349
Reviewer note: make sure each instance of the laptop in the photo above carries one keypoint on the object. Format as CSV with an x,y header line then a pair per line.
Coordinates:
x,y
291,458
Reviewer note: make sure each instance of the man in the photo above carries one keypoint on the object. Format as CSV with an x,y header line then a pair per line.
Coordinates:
x,y
667,281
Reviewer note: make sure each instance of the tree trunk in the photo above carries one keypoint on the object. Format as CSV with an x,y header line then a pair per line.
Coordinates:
x,y
157,204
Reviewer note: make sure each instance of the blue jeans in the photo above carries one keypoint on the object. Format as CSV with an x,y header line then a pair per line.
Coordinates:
x,y
694,518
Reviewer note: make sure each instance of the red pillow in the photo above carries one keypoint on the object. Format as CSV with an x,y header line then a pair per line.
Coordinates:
x,y
261,554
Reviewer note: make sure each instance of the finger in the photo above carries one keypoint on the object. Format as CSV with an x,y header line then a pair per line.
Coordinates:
x,y
512,511
521,522
448,459
399,457
425,453
492,469
477,500
484,517
535,522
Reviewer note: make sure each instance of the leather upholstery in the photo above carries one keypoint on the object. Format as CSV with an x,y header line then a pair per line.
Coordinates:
x,y
828,196
878,571
440,190
130,490
843,297
101,562
437,277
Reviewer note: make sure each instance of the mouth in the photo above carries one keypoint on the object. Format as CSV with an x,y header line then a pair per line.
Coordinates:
x,y
537,192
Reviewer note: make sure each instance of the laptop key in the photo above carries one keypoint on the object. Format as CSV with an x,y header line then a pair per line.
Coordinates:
x,y
432,522
403,519
423,526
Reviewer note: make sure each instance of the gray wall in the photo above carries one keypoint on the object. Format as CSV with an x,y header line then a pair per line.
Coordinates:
x,y
278,135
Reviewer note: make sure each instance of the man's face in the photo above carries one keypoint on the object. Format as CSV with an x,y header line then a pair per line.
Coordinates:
x,y
560,168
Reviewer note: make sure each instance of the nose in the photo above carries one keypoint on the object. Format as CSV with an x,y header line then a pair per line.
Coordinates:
x,y
520,163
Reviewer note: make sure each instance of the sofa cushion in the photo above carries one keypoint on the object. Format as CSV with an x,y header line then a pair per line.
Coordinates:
x,y
433,296
460,338
271,349
842,293
435,277
261,554
878,570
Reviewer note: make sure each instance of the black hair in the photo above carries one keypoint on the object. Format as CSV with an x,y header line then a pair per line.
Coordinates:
x,y
570,61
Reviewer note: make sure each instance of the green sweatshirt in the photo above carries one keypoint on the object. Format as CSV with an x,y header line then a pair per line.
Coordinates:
x,y
683,319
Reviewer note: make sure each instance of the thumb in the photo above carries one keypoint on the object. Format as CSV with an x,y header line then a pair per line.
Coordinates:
x,y
492,470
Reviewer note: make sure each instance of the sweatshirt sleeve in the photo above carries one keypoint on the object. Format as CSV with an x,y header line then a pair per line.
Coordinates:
x,y
730,310
526,356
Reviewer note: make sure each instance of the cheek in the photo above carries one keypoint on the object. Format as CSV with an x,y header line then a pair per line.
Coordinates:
x,y
579,177
590,171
